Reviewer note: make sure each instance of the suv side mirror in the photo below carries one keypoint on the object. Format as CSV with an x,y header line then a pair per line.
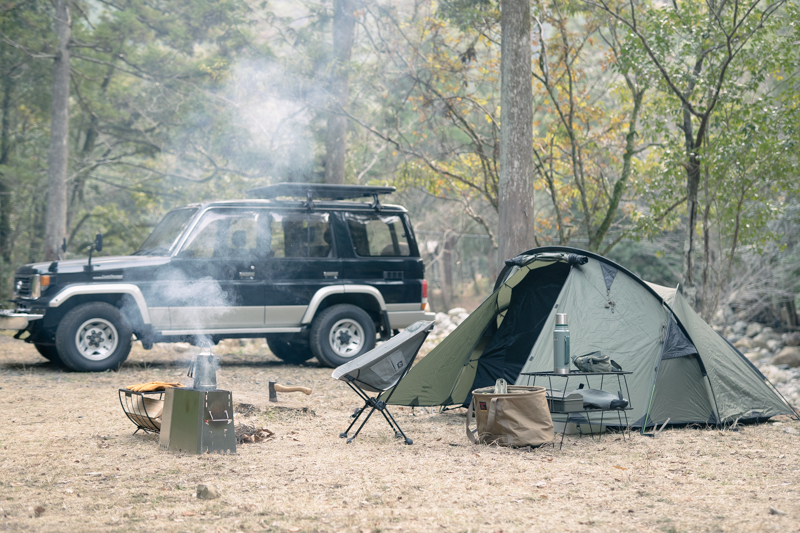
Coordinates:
x,y
98,242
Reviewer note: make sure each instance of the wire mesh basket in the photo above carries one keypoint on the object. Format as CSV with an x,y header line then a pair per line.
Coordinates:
x,y
144,409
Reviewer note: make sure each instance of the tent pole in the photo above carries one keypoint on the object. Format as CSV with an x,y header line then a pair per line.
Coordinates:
x,y
665,332
713,395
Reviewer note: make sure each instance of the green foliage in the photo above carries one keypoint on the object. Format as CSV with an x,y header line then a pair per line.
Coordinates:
x,y
177,101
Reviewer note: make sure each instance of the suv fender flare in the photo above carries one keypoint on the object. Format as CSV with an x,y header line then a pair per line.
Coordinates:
x,y
104,288
323,293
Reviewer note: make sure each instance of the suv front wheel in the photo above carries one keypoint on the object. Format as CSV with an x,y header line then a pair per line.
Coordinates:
x,y
341,333
93,337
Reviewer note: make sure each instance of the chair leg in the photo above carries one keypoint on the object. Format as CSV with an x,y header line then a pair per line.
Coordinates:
x,y
355,416
351,439
389,418
398,433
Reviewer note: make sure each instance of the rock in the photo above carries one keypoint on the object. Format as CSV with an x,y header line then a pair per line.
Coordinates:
x,y
442,317
733,339
456,311
774,345
207,492
727,332
791,431
758,341
753,356
778,512
744,344
182,347
774,374
790,355
740,327
792,339
770,333
753,329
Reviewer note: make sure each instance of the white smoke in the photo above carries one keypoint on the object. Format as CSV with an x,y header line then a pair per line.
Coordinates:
x,y
276,109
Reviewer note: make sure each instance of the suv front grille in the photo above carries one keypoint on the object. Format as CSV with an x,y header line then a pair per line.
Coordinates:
x,y
22,286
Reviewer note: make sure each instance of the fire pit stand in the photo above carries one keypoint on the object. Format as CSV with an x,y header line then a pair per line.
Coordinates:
x,y
198,421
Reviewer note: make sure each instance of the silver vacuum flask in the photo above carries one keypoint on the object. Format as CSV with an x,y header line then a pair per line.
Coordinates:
x,y
561,345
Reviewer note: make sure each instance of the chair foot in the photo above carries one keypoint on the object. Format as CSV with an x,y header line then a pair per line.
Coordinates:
x,y
349,440
398,435
409,441
343,435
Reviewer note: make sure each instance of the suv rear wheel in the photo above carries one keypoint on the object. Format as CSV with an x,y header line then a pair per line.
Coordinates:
x,y
341,333
93,337
291,352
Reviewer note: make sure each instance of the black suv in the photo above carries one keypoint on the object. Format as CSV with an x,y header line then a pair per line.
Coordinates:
x,y
304,265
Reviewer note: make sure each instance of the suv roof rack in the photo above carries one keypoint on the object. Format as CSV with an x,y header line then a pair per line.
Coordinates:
x,y
309,191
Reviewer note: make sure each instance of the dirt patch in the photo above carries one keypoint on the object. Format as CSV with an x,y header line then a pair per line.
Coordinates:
x,y
69,461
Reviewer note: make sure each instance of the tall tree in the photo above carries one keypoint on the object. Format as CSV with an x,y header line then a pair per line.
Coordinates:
x,y
696,48
336,137
515,198
56,228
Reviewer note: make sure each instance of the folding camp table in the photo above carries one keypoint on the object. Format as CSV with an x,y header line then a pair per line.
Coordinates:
x,y
381,370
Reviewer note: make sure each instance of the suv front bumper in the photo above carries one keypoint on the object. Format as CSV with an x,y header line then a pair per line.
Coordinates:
x,y
10,319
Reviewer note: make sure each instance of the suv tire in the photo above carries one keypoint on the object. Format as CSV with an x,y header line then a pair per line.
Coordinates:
x,y
49,352
290,352
341,333
93,338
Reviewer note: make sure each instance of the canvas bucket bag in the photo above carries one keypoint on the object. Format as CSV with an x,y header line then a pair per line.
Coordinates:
x,y
518,418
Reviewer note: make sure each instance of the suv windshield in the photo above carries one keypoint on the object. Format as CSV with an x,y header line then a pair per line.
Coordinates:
x,y
166,233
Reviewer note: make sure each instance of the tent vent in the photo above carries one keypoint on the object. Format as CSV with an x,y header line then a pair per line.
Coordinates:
x,y
676,344
609,273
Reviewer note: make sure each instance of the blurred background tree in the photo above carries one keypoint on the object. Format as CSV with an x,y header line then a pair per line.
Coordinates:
x,y
663,135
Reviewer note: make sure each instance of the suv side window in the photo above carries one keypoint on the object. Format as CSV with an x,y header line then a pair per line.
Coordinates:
x,y
225,233
375,235
300,235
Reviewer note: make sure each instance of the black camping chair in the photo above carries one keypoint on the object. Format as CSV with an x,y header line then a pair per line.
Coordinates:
x,y
381,370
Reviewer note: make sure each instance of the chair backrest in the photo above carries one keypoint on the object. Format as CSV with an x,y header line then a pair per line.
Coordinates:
x,y
380,368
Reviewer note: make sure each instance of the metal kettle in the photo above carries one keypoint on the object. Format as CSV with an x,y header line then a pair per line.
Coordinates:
x,y
204,369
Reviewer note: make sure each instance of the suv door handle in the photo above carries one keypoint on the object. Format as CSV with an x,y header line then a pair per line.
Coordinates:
x,y
247,275
331,274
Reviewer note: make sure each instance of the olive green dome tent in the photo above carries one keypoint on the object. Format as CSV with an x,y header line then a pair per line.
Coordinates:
x,y
682,370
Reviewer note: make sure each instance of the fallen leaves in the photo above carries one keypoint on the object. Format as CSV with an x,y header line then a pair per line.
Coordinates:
x,y
251,434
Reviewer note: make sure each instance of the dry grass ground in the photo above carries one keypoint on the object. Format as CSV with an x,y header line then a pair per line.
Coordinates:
x,y
69,461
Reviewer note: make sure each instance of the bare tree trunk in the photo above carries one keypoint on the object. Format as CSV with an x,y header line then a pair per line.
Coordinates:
x,y
708,304
447,266
515,198
336,141
5,190
56,227
692,182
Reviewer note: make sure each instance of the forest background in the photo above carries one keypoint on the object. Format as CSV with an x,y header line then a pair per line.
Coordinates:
x,y
664,132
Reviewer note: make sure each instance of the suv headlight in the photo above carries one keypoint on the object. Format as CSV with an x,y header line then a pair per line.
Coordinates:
x,y
31,287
